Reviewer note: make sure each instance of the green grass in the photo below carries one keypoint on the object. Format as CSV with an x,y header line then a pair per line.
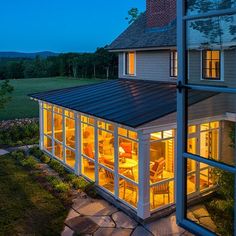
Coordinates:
x,y
22,107
26,208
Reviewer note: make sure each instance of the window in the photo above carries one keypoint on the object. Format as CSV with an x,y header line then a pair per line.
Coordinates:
x,y
206,24
211,64
130,63
173,64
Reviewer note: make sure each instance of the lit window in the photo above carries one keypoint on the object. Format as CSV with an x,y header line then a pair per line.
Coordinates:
x,y
173,64
211,65
130,63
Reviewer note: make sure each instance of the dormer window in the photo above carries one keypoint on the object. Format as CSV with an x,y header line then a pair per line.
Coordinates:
x,y
173,64
211,65
130,63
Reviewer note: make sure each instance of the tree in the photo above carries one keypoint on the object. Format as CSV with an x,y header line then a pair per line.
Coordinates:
x,y
133,14
5,90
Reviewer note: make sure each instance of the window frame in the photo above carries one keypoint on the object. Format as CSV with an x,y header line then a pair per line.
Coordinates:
x,y
203,68
173,62
125,64
182,91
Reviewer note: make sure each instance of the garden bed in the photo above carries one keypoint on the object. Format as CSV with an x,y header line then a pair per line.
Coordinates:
x,y
37,193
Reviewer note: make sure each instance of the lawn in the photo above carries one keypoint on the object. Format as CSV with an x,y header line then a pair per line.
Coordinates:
x,y
26,208
22,107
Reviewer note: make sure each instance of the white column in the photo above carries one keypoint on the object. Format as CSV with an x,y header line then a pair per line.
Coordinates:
x,y
144,175
64,135
77,144
41,127
53,132
96,144
116,161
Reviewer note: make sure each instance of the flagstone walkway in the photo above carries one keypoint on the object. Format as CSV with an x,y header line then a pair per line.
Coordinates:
x,y
96,217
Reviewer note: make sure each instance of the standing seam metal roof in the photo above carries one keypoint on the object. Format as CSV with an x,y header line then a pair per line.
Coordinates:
x,y
124,101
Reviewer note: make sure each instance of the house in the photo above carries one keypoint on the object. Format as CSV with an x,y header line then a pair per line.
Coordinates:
x,y
121,134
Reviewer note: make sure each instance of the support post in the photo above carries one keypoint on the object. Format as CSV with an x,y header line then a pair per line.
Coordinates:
x,y
116,162
77,144
144,176
78,167
41,125
96,151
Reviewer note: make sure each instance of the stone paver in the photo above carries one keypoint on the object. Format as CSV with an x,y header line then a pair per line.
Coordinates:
x,y
113,232
140,231
67,232
3,152
199,211
82,225
165,226
72,214
93,207
123,221
103,221
208,223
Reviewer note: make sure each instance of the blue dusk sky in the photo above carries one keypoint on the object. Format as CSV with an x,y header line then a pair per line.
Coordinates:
x,y
62,25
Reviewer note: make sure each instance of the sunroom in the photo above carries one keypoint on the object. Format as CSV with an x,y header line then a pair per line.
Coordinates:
x,y
122,136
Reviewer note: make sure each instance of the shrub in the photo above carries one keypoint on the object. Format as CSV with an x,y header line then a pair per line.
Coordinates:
x,y
57,167
35,151
62,187
58,184
79,183
70,177
29,162
19,155
45,159
90,190
20,134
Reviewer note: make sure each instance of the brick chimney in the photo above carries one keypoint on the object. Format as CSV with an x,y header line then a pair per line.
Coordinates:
x,y
160,12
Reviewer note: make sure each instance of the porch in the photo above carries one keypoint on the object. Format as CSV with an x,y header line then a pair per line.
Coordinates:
x,y
107,144
134,166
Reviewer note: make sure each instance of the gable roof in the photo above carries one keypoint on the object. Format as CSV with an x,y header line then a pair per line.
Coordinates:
x,y
138,36
128,102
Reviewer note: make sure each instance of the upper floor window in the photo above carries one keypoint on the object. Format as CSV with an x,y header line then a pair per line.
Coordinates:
x,y
130,63
211,64
173,64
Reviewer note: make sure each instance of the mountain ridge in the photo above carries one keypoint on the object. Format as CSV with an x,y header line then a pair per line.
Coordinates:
x,y
43,54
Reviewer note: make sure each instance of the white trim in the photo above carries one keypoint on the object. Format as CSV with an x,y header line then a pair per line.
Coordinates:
x,y
41,126
143,49
124,64
143,176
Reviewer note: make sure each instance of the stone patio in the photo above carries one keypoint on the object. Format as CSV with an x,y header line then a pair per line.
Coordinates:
x,y
96,217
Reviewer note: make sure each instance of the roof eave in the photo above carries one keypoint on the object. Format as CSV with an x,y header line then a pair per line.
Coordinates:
x,y
156,48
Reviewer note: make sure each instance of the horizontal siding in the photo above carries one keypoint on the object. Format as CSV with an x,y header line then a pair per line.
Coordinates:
x,y
214,106
228,70
151,65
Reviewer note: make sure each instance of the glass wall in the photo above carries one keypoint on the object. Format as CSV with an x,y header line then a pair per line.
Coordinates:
x,y
162,153
206,46
106,155
59,133
102,143
128,165
88,147
47,127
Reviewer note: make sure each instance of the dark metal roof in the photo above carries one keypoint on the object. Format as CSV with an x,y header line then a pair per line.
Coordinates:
x,y
124,101
138,36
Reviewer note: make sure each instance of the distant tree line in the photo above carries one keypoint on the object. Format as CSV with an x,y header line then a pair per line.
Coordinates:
x,y
100,64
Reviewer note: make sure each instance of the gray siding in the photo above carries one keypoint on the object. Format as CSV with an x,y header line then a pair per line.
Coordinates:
x,y
150,65
228,72
211,107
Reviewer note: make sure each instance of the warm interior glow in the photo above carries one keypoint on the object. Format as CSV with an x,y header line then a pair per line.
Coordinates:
x,y
131,63
211,64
